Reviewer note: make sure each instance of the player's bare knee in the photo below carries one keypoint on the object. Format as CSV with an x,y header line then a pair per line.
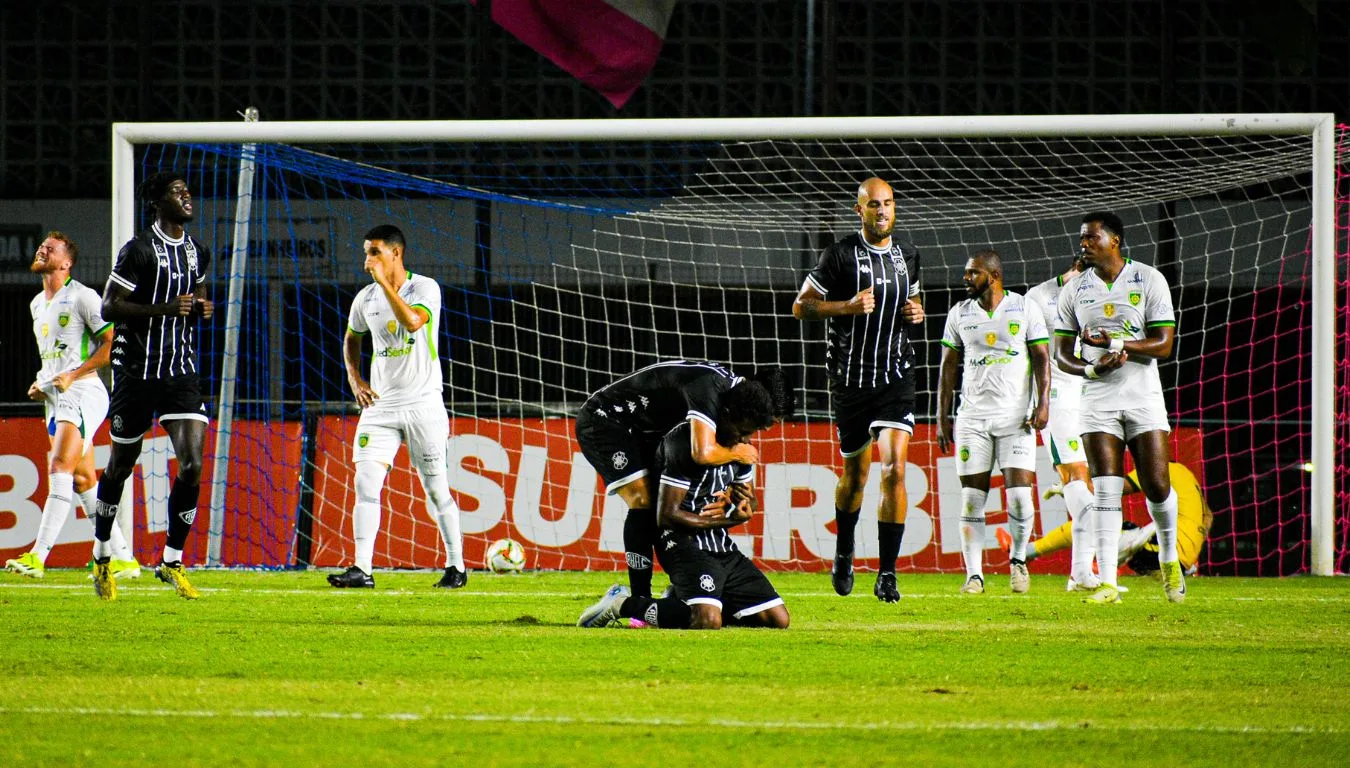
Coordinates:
x,y
706,617
84,480
189,469
777,617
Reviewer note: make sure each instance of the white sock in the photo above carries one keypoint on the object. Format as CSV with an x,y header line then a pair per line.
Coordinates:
x,y
1108,514
120,550
443,509
171,555
55,512
366,512
1021,519
1165,516
972,530
1078,499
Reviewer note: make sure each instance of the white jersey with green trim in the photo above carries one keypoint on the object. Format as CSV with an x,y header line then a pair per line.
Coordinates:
x,y
1066,390
66,327
405,370
1139,299
996,361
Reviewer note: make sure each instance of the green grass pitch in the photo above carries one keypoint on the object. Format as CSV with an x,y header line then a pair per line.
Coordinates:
x,y
280,669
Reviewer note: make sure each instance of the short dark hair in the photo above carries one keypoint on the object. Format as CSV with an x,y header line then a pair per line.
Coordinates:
x,y
71,247
990,257
1109,221
152,190
749,402
782,392
389,233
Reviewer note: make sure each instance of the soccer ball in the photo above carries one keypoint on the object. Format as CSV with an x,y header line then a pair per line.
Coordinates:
x,y
505,556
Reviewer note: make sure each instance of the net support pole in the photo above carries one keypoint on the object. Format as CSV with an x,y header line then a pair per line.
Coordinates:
x,y
1323,522
123,229
230,357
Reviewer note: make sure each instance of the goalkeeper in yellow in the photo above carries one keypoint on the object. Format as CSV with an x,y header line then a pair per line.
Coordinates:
x,y
1139,546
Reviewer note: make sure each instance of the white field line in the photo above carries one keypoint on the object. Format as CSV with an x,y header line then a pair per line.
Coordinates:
x,y
125,586
662,722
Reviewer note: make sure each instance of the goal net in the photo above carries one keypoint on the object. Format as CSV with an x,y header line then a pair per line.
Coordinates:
x,y
570,261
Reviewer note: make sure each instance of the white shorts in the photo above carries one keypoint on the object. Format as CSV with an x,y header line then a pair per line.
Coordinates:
x,y
425,429
1062,437
85,405
1126,423
978,441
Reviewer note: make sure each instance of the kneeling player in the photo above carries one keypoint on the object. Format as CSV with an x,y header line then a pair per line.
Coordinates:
x,y
713,583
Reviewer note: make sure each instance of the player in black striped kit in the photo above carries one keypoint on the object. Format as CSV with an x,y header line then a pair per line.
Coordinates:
x,y
867,286
156,296
621,424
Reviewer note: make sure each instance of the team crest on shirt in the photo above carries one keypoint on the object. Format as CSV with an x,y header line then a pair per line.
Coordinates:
x,y
620,459
1073,445
1135,298
707,583
1014,327
391,326
990,338
63,319
117,423
363,440
1109,310
964,453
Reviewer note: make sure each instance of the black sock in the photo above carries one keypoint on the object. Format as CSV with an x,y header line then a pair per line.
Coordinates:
x,y
639,544
888,536
666,613
182,511
846,522
105,511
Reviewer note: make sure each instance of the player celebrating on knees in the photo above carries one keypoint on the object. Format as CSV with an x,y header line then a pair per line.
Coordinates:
x,y
1120,313
73,343
713,583
997,343
156,294
620,426
867,286
402,403
1062,437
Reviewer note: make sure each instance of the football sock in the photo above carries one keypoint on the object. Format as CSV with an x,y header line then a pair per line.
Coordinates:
x,y
639,544
1078,499
445,512
1021,519
888,539
55,512
973,529
1165,517
1108,515
366,511
89,501
846,523
109,494
666,613
171,555
182,511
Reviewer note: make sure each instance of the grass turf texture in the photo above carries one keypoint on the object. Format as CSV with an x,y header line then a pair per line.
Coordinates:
x,y
280,669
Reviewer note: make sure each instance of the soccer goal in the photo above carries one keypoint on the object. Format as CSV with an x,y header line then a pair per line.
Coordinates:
x,y
573,252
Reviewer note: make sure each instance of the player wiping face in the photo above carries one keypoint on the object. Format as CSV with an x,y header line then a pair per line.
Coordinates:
x,y
1099,250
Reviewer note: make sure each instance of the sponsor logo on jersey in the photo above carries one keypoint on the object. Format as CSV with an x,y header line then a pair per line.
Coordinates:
x,y
619,459
707,583
1135,298
1014,327
864,266
45,330
1109,310
363,440
63,319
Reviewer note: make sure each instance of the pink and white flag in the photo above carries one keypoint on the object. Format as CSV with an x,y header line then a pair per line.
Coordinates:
x,y
610,45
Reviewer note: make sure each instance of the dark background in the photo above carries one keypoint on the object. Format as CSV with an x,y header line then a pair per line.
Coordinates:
x,y
72,68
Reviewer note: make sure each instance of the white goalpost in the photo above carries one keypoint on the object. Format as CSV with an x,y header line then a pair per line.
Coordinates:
x,y
598,265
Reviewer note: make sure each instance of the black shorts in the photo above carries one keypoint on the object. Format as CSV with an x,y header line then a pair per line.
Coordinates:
x,y
136,402
860,413
727,580
619,454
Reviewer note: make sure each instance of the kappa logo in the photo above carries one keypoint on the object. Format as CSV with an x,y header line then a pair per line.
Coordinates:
x,y
188,515
707,583
619,459
864,267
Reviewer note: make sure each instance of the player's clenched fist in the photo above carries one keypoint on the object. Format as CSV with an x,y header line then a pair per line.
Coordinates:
x,y
864,302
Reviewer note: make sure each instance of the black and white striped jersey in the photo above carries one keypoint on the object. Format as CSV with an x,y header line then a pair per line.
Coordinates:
x,y
872,349
654,399
156,269
676,467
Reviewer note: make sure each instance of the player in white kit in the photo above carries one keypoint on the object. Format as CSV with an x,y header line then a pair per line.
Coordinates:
x,y
73,344
996,342
1065,441
402,402
1119,313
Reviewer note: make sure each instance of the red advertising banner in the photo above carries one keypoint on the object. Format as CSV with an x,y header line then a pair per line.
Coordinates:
x,y
526,479
261,498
